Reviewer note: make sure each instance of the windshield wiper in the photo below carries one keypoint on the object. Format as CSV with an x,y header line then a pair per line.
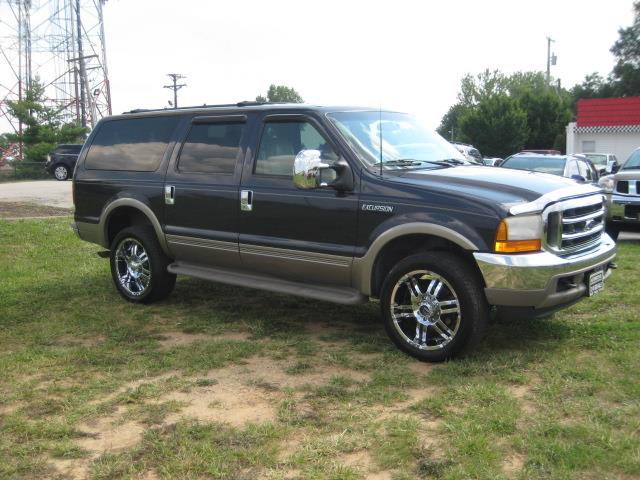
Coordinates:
x,y
451,161
409,162
635,167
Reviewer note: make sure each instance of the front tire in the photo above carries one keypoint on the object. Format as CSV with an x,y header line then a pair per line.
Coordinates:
x,y
433,306
139,266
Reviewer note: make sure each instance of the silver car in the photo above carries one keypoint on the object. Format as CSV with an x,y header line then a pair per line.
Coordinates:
x,y
623,196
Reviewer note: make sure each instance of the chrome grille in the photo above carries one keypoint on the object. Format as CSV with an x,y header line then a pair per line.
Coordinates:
x,y
575,225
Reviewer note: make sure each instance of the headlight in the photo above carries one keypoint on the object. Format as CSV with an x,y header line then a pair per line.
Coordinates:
x,y
606,183
519,234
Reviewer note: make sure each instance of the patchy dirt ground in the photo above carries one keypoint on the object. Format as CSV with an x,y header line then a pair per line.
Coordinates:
x,y
13,210
246,393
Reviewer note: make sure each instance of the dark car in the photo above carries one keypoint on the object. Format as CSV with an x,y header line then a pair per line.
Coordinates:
x,y
339,204
62,160
577,168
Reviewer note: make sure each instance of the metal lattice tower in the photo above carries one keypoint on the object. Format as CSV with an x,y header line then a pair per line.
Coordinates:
x,y
62,43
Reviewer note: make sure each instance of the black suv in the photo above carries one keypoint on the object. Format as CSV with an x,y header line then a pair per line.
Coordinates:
x,y
336,204
62,160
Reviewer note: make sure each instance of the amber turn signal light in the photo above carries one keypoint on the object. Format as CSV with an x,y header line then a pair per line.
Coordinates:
x,y
504,245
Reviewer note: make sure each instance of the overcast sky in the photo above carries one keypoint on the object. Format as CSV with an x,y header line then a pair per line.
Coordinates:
x,y
401,54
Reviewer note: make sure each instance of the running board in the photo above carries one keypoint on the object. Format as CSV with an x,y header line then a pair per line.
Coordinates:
x,y
345,296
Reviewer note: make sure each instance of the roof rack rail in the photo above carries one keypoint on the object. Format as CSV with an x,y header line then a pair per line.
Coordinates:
x,y
245,103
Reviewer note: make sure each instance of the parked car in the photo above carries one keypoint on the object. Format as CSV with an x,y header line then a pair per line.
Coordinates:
x,y
542,152
61,161
492,161
300,200
605,162
569,166
469,152
623,196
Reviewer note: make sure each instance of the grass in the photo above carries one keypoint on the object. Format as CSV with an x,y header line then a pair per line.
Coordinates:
x,y
555,399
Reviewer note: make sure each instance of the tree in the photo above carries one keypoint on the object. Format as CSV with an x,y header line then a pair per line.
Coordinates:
x,y
626,72
43,127
497,126
546,109
449,126
281,94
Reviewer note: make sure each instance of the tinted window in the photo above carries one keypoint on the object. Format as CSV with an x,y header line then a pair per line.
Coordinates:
x,y
135,144
542,164
282,141
211,148
68,149
633,161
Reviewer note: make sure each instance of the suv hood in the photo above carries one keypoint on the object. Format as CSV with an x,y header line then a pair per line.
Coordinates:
x,y
494,185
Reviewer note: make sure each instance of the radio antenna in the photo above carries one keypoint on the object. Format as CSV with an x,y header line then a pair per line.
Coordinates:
x,y
380,133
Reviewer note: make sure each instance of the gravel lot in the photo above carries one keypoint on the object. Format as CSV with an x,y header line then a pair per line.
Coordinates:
x,y
42,192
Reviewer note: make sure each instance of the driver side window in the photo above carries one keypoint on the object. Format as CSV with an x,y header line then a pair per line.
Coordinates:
x,y
282,141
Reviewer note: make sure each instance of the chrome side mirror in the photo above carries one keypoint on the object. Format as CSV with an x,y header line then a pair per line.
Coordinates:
x,y
307,172
306,169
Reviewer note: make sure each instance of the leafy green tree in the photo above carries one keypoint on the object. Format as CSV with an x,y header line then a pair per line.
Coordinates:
x,y
43,127
626,72
497,126
280,93
548,114
449,126
473,89
547,110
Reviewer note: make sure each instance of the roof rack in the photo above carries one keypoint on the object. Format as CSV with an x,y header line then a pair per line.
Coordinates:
x,y
245,103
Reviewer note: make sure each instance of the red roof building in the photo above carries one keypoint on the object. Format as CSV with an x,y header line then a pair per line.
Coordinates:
x,y
605,125
608,112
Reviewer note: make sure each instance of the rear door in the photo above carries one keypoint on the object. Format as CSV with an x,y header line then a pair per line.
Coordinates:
x,y
201,191
306,235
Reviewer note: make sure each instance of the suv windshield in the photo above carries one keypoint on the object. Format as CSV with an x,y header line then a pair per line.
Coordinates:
x,y
553,165
405,143
633,162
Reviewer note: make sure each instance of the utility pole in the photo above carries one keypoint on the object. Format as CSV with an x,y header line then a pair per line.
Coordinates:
x,y
551,59
175,87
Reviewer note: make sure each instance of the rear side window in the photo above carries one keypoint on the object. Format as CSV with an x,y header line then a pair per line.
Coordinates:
x,y
211,148
135,144
68,149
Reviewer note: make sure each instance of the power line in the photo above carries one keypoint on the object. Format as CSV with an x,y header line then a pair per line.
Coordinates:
x,y
175,87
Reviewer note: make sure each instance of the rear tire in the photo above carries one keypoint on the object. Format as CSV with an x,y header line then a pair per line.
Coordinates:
x,y
139,266
433,306
61,172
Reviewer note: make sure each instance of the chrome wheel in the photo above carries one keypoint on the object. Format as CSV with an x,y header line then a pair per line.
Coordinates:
x,y
61,173
133,269
425,310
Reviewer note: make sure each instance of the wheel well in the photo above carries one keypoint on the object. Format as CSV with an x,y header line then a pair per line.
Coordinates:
x,y
123,217
401,247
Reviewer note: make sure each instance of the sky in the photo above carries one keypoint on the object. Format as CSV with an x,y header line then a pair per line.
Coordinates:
x,y
397,54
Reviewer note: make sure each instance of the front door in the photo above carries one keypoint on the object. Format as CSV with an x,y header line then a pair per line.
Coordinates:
x,y
306,235
201,191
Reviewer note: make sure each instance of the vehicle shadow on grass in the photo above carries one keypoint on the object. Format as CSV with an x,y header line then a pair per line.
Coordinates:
x,y
274,315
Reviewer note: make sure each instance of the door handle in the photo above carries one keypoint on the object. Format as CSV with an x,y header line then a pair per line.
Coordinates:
x,y
246,200
169,194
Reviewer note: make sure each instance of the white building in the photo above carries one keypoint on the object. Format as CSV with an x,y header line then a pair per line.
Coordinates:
x,y
606,125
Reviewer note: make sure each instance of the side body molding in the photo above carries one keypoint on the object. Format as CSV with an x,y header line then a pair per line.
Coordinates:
x,y
138,205
362,272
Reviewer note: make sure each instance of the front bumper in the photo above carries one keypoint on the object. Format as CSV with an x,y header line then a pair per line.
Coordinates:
x,y
623,208
541,280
